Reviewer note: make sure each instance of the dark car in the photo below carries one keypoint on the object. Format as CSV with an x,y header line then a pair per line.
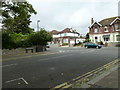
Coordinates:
x,y
92,45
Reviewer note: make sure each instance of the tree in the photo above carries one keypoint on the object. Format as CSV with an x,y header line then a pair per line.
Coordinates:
x,y
16,16
7,41
87,38
40,38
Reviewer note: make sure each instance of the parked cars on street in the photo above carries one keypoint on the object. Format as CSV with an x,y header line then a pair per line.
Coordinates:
x,y
92,45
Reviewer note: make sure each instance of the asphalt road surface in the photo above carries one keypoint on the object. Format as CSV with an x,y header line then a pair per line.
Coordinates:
x,y
47,71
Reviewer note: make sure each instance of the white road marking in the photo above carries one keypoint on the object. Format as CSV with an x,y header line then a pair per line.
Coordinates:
x,y
87,51
24,80
61,51
8,65
17,79
52,68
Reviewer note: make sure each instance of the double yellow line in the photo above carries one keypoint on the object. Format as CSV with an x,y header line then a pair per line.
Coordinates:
x,y
86,76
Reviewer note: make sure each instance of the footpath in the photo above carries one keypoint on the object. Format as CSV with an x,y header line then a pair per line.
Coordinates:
x,y
108,80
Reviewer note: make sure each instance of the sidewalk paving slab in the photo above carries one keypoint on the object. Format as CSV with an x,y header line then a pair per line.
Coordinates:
x,y
107,81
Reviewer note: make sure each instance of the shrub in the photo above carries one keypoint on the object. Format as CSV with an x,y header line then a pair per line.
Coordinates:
x,y
64,44
7,41
101,43
40,38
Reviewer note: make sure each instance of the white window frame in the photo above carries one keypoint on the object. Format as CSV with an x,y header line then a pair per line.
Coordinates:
x,y
117,27
96,30
117,38
106,29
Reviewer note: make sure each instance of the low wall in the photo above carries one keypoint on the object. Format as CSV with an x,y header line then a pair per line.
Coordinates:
x,y
13,51
114,44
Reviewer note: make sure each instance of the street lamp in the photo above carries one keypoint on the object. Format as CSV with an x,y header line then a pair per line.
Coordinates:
x,y
75,36
38,24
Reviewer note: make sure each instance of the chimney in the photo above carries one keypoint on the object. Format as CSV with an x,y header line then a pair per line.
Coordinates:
x,y
92,21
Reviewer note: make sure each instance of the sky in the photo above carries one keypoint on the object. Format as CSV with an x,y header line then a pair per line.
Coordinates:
x,y
76,14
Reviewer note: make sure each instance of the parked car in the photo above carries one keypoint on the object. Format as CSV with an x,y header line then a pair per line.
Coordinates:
x,y
47,46
92,45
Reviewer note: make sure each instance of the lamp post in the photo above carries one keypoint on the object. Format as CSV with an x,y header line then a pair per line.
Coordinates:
x,y
75,36
38,24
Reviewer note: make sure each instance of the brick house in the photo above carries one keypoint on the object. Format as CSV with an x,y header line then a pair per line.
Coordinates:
x,y
68,35
107,31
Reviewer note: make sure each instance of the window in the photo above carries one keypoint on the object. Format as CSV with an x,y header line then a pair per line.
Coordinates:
x,y
65,34
113,28
96,39
118,37
106,39
106,29
117,27
95,30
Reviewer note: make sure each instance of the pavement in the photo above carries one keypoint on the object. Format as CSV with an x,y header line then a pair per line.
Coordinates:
x,y
109,79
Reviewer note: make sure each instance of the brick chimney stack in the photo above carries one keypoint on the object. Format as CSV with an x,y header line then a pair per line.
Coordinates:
x,y
92,21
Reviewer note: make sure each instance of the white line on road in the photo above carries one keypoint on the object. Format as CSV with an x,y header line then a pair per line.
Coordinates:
x,y
24,80
17,79
87,51
8,65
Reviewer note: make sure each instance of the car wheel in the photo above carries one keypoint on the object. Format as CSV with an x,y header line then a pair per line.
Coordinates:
x,y
86,47
97,47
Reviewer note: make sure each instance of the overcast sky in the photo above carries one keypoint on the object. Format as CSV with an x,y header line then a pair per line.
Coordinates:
x,y
76,14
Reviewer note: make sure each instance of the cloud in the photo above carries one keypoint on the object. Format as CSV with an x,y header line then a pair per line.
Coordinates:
x,y
77,14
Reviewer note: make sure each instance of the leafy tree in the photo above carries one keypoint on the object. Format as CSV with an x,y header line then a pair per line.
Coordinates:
x,y
16,16
7,41
87,39
40,38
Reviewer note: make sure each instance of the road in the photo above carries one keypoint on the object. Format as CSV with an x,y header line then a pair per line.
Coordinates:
x,y
47,71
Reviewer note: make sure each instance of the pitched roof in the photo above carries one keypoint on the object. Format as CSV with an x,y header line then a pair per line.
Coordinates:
x,y
96,23
108,21
54,32
66,30
69,30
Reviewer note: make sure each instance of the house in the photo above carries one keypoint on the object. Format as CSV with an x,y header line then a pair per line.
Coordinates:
x,y
68,35
107,31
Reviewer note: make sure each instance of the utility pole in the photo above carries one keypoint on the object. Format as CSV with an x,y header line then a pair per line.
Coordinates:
x,y
38,25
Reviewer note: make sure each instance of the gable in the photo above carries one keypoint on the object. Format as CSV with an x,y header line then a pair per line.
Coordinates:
x,y
95,24
117,20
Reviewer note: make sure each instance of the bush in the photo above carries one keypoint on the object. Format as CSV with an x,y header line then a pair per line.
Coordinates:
x,y
77,44
64,44
7,41
14,40
21,40
101,43
40,38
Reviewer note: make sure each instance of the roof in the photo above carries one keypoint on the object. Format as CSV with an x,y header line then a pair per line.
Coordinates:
x,y
108,21
54,32
96,23
66,30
